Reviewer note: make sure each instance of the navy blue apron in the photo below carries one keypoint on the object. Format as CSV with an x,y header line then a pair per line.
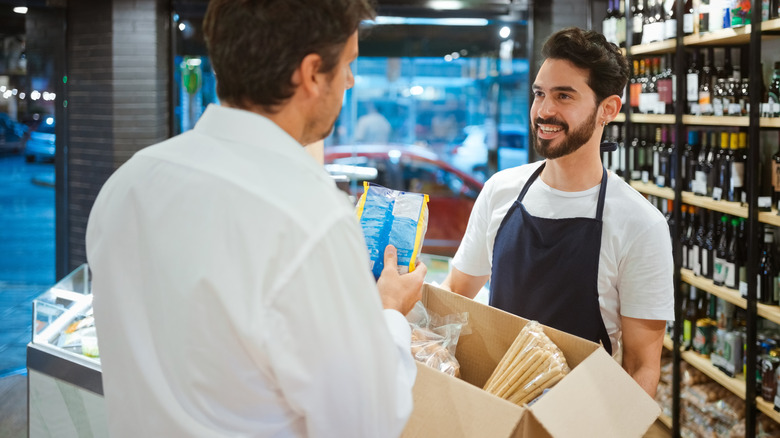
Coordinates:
x,y
547,269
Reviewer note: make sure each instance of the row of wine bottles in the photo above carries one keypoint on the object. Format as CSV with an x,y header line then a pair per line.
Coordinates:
x,y
656,20
712,162
714,246
710,90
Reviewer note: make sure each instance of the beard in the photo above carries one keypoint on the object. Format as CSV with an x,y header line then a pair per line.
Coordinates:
x,y
570,143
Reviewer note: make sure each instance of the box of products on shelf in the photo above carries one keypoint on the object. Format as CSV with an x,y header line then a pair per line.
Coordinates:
x,y
596,398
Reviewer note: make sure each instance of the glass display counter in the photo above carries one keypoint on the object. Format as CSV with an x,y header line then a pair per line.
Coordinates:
x,y
63,363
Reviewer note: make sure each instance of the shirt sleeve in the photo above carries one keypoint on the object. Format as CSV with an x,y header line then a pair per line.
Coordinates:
x,y
340,361
472,256
645,283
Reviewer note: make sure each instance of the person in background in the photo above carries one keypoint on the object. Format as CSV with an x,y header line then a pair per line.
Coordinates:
x,y
562,241
372,127
232,290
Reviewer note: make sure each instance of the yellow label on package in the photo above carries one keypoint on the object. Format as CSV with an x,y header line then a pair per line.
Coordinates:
x,y
392,217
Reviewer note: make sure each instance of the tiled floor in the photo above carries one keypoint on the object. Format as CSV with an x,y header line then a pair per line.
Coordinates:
x,y
26,269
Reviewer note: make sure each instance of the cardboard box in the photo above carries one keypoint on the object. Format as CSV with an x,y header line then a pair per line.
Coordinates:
x,y
597,399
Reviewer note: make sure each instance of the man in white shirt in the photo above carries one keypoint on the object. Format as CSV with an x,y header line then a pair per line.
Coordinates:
x,y
562,241
232,290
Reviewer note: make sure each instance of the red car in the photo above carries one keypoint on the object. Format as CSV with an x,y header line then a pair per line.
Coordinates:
x,y
413,169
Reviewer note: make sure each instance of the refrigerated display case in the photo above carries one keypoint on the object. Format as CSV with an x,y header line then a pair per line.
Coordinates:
x,y
63,363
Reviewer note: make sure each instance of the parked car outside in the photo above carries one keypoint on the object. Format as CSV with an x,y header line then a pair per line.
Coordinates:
x,y
410,168
12,134
40,146
471,156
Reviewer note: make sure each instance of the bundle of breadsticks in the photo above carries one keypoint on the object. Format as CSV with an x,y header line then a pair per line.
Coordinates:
x,y
532,364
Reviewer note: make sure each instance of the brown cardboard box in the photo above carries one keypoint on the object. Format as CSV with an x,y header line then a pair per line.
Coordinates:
x,y
597,399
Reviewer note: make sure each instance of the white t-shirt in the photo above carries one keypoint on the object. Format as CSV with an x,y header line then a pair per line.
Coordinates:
x,y
233,297
635,266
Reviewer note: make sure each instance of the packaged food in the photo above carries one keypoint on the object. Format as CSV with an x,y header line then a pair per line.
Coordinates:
x,y
392,217
532,364
435,338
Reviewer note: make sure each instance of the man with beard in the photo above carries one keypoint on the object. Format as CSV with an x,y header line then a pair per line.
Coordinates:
x,y
563,241
232,289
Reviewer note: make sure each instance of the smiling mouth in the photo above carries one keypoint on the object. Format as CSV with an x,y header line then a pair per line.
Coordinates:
x,y
550,129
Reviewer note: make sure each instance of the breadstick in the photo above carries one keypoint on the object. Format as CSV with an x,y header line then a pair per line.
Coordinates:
x,y
524,362
525,374
513,351
551,381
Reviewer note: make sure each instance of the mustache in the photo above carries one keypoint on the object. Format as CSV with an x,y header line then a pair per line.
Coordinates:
x,y
540,121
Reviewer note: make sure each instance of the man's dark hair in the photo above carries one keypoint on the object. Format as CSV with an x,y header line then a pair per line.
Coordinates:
x,y
255,46
607,67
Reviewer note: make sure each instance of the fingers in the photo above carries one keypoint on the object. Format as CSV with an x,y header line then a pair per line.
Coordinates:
x,y
391,258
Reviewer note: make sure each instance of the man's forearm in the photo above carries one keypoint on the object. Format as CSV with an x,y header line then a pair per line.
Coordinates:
x,y
647,378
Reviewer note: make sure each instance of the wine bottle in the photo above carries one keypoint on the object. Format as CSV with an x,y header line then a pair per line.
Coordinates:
x,y
691,316
657,150
702,174
767,270
689,161
688,15
685,225
621,23
722,169
692,85
776,177
637,20
721,250
704,16
774,92
607,28
731,277
670,20
705,92
737,171
708,250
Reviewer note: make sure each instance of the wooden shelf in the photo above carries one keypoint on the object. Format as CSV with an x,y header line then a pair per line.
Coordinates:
x,y
764,122
730,36
732,208
768,409
656,119
620,118
724,293
771,313
715,120
735,385
653,190
655,48
703,364
769,217
666,420
770,25
668,343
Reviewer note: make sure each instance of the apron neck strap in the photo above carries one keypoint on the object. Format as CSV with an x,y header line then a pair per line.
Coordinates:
x,y
602,190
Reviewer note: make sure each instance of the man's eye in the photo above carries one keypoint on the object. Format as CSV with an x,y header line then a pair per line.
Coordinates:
x,y
538,94
564,96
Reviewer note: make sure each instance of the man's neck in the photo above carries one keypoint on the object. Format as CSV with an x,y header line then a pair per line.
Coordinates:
x,y
578,171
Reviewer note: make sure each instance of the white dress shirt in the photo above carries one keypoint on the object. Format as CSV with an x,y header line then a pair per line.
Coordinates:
x,y
233,295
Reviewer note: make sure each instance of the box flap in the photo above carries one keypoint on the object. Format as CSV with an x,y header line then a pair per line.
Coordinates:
x,y
453,408
600,395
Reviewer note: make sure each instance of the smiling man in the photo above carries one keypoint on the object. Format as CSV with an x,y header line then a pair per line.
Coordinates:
x,y
563,241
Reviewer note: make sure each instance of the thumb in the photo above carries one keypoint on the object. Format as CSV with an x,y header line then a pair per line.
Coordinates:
x,y
391,257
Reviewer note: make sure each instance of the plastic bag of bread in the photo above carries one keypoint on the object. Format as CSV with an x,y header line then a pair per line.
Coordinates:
x,y
435,338
392,217
532,364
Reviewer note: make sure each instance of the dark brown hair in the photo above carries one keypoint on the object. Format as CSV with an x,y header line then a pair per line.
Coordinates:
x,y
255,46
589,50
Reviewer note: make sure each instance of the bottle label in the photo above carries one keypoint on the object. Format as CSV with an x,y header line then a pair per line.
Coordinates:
x,y
695,260
670,28
775,176
735,109
636,92
718,274
692,87
737,174
685,258
699,184
705,263
717,107
637,25
729,276
717,193
687,23
645,176
665,91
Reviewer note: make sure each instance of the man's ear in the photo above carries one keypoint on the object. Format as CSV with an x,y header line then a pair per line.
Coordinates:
x,y
307,77
611,107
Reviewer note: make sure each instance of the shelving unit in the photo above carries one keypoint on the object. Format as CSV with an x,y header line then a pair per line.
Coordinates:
x,y
751,37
